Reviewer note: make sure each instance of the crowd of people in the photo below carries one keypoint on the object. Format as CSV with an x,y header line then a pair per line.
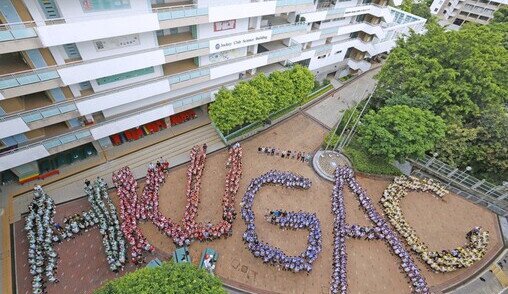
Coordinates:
x,y
147,206
381,231
39,224
295,220
105,213
439,261
289,154
126,187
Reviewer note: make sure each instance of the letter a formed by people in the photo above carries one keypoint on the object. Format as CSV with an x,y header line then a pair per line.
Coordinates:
x,y
380,231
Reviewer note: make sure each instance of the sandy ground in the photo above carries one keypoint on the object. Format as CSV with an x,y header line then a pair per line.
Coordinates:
x,y
371,267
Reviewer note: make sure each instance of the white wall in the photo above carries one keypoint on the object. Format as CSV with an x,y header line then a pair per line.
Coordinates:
x,y
236,53
12,127
206,30
236,67
158,72
117,98
239,41
72,11
75,32
23,156
330,59
168,96
93,70
131,122
314,16
307,37
242,10
88,51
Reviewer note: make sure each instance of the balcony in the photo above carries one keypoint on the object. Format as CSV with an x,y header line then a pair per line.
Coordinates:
x,y
12,63
174,38
178,67
359,64
177,14
18,36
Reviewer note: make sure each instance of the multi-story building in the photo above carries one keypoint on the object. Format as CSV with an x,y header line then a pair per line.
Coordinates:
x,y
81,77
454,13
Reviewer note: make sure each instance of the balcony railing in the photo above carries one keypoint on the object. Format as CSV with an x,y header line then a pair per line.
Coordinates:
x,y
17,31
48,112
27,77
294,2
66,139
177,12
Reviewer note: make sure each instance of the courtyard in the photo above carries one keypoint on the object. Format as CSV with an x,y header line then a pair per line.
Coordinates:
x,y
442,224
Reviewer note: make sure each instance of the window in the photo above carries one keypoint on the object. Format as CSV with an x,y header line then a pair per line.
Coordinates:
x,y
125,75
224,25
321,56
458,21
104,5
338,52
116,42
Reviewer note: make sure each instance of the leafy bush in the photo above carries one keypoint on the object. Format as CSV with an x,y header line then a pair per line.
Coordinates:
x,y
362,161
400,131
255,100
169,278
331,140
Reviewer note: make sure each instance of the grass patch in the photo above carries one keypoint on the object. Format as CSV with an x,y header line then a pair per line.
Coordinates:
x,y
364,162
317,94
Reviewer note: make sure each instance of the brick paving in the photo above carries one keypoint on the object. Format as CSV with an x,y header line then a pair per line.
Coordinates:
x,y
371,267
82,265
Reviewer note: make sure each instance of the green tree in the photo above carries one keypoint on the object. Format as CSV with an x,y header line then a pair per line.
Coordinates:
x,y
249,103
283,89
501,15
421,8
419,102
400,131
303,81
460,75
265,89
168,278
225,111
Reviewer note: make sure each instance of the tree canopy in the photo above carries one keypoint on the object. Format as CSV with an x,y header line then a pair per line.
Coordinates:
x,y
168,278
400,131
256,99
501,15
420,8
461,76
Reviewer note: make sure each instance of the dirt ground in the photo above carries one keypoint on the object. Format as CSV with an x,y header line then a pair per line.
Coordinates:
x,y
371,267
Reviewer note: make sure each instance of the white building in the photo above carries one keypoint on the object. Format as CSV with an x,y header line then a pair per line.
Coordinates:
x,y
80,77
454,13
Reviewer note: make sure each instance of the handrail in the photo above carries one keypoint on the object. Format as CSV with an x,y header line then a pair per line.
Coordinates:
x,y
77,62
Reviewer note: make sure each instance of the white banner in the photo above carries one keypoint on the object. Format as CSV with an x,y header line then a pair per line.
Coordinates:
x,y
240,41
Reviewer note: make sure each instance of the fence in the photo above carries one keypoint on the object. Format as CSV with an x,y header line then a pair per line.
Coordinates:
x,y
460,182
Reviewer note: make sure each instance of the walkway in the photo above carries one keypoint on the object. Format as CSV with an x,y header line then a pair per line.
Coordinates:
x,y
328,111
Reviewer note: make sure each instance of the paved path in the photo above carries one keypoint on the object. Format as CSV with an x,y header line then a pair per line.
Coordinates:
x,y
328,111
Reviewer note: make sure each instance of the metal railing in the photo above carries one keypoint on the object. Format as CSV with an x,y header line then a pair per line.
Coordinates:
x,y
180,77
16,31
293,2
181,11
27,77
481,191
32,76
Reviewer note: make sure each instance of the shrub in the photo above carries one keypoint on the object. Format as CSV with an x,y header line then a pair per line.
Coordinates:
x,y
168,278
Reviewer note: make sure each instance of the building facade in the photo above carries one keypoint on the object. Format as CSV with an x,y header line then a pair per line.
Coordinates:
x,y
81,77
454,13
